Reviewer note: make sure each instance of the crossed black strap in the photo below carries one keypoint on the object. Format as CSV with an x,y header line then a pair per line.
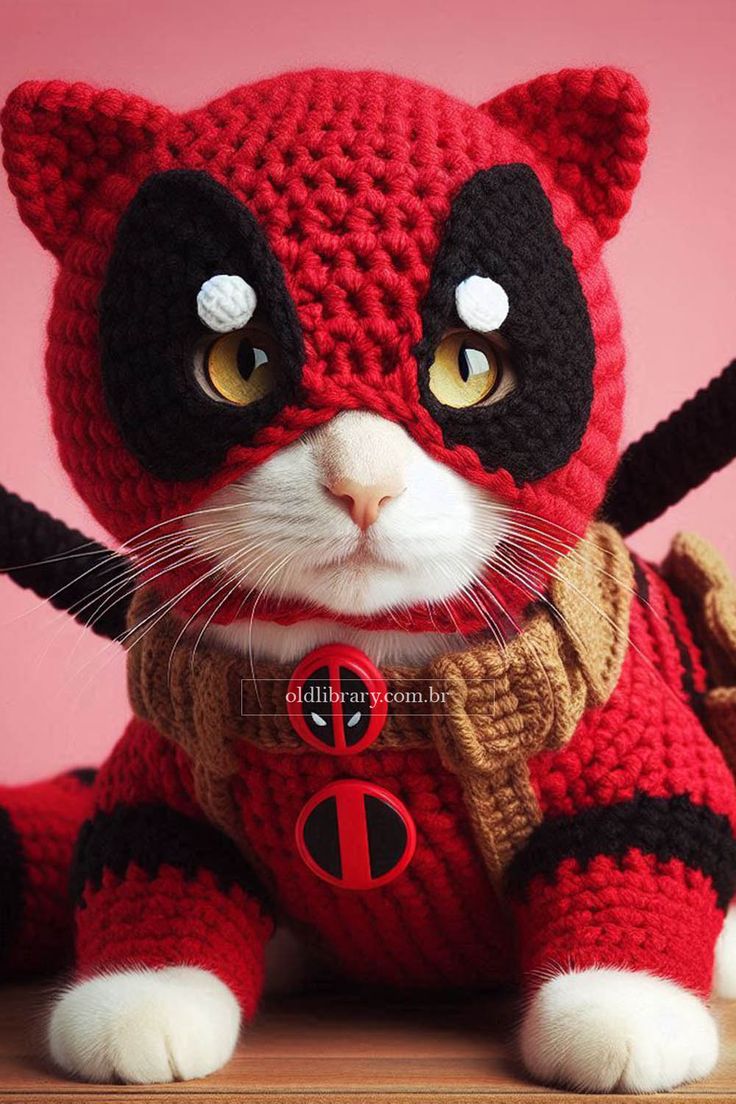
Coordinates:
x,y
45,555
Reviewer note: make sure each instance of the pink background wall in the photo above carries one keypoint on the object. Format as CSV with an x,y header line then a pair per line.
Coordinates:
x,y
674,264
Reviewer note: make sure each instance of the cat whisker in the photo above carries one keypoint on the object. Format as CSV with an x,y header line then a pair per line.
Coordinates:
x,y
235,584
487,617
129,544
105,562
146,581
262,585
101,599
142,571
519,575
499,561
230,582
574,551
171,603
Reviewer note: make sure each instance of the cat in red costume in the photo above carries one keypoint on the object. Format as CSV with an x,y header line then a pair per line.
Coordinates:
x,y
337,358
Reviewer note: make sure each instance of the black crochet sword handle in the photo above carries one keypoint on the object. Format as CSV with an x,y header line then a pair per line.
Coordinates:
x,y
44,555
675,457
654,473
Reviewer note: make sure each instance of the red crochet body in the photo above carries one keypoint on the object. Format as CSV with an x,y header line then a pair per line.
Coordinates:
x,y
440,923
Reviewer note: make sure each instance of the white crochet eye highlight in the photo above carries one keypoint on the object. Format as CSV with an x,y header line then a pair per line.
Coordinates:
x,y
226,303
481,303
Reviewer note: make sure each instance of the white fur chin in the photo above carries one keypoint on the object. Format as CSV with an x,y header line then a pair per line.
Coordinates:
x,y
605,1030
280,531
144,1026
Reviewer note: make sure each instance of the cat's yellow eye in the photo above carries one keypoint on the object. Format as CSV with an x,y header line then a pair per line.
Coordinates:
x,y
467,369
241,367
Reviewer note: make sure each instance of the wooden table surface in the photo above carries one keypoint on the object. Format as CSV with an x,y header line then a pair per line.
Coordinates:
x,y
334,1049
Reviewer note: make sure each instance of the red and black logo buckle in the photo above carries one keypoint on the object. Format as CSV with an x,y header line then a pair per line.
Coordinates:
x,y
356,835
352,834
336,700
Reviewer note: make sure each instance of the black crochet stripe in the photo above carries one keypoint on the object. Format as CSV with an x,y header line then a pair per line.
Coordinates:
x,y
44,555
669,828
501,226
676,456
152,836
12,883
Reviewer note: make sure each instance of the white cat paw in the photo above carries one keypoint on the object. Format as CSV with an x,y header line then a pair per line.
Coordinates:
x,y
605,1030
143,1026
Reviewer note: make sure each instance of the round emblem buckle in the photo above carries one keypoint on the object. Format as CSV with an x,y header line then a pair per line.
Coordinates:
x,y
356,835
336,700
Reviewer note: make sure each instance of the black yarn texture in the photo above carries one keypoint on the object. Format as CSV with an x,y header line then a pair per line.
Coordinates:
x,y
44,555
667,827
501,225
152,836
675,457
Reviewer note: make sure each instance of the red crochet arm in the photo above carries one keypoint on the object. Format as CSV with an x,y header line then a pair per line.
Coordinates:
x,y
633,865
156,884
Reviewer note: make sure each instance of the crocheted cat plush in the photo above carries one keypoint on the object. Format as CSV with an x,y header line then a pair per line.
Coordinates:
x,y
337,358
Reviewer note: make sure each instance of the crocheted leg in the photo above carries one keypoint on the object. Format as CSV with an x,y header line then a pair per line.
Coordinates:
x,y
170,949
39,824
171,928
598,940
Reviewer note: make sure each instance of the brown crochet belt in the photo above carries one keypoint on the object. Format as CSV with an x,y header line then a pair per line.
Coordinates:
x,y
500,705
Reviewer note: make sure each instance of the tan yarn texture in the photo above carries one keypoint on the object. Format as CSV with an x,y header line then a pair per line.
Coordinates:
x,y
500,705
698,574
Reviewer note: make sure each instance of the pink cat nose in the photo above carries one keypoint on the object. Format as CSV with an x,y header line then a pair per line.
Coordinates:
x,y
363,501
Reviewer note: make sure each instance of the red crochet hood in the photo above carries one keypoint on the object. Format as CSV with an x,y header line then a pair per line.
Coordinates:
x,y
350,177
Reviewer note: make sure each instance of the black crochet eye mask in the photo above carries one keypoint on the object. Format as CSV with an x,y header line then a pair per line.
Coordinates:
x,y
181,229
501,226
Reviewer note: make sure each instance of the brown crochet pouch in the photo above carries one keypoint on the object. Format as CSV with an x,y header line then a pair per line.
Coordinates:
x,y
700,578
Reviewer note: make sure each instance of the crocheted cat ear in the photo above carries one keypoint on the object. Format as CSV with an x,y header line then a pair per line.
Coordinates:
x,y
592,125
60,139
